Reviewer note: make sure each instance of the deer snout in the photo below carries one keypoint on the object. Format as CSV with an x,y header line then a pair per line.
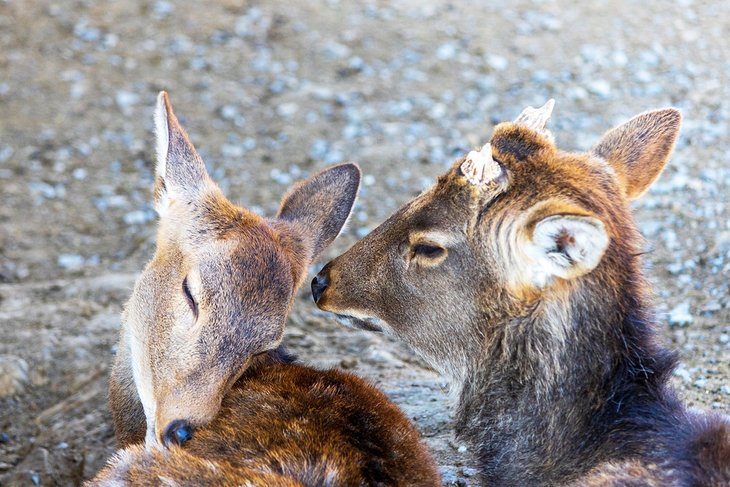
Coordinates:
x,y
178,432
320,283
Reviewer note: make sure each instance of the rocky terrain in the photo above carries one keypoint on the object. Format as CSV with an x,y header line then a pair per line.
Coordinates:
x,y
271,91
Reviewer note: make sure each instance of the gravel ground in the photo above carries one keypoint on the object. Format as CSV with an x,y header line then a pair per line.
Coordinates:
x,y
271,91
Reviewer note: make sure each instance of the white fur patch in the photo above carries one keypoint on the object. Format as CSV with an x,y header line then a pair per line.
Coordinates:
x,y
567,246
162,133
143,383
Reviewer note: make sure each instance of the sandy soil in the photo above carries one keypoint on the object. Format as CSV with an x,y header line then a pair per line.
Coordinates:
x,y
270,91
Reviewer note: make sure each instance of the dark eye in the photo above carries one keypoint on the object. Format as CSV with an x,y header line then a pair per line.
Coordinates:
x,y
428,251
189,297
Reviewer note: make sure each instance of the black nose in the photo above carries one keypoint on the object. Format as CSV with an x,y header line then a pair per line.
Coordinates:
x,y
177,433
319,284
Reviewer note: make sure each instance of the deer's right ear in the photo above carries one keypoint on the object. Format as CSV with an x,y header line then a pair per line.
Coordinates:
x,y
180,172
320,205
566,246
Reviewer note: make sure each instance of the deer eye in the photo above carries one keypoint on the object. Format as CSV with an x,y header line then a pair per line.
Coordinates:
x,y
429,251
189,297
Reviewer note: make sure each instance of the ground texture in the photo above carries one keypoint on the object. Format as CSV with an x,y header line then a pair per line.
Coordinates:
x,y
273,90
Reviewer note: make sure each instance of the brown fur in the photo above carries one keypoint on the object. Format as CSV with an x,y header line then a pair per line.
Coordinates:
x,y
537,309
286,424
214,299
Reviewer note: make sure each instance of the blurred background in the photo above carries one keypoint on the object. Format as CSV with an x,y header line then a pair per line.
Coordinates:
x,y
271,91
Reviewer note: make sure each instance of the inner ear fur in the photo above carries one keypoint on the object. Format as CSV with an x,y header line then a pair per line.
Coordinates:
x,y
566,245
180,171
639,149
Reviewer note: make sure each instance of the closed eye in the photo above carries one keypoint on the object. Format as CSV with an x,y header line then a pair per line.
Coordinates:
x,y
189,297
429,251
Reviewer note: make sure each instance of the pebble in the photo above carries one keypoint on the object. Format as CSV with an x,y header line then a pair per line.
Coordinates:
x,y
5,153
13,375
680,315
71,261
600,88
138,217
498,63
683,374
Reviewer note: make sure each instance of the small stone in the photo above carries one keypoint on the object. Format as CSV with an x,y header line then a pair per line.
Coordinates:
x,y
448,475
4,438
700,383
5,152
162,9
680,315
137,217
724,338
287,110
229,112
348,363
36,479
683,374
446,51
497,63
470,472
125,100
600,88
71,261
13,375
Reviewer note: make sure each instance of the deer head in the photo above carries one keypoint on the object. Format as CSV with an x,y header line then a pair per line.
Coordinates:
x,y
504,240
221,282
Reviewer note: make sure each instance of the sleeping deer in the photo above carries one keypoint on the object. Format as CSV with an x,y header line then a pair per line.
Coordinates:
x,y
518,275
200,376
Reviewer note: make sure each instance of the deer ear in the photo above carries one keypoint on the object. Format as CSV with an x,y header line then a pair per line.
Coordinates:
x,y
566,246
639,149
180,172
320,205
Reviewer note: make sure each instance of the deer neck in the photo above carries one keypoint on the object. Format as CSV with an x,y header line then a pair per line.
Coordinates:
x,y
551,387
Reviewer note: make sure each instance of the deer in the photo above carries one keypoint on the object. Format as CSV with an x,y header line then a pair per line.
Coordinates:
x,y
518,277
202,392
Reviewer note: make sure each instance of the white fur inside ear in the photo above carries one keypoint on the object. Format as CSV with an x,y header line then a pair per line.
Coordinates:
x,y
162,134
567,246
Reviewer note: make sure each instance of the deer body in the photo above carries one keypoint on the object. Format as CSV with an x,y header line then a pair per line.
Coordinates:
x,y
518,276
200,376
290,425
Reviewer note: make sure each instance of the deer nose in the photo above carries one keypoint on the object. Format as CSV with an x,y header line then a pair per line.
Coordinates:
x,y
177,432
319,284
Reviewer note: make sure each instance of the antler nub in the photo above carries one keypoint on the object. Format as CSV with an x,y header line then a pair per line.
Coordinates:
x,y
479,166
537,118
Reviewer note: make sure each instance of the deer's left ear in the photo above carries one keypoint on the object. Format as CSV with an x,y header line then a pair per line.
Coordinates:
x,y
566,246
639,149
319,206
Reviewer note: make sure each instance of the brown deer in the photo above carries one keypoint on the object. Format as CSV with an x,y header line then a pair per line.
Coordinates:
x,y
518,275
200,375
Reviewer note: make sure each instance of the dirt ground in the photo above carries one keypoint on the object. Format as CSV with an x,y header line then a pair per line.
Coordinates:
x,y
273,90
